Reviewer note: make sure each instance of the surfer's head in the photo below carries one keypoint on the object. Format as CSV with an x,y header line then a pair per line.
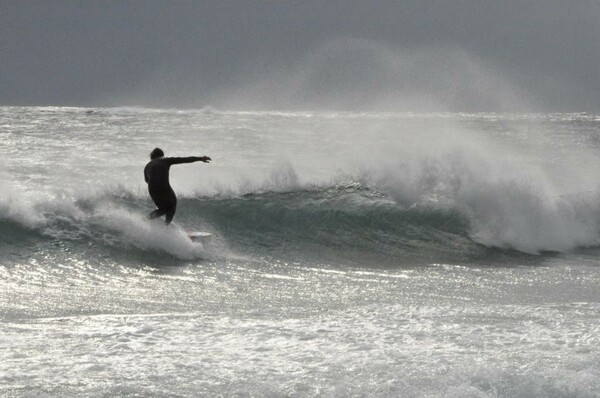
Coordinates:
x,y
156,153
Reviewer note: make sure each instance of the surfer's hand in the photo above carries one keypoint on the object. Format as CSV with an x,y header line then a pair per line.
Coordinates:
x,y
205,159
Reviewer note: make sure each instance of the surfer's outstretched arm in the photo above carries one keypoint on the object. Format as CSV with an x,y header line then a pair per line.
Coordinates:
x,y
189,159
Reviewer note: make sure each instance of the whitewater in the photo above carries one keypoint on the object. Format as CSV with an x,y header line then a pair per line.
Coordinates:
x,y
352,254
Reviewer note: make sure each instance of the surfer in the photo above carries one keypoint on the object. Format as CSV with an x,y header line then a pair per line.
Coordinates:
x,y
156,174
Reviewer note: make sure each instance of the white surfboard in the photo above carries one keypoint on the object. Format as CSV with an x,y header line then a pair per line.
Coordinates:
x,y
197,236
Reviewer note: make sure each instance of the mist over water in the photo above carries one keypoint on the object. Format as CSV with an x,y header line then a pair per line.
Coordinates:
x,y
354,74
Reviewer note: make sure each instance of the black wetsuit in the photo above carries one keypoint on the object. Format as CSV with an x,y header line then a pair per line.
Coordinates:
x,y
156,174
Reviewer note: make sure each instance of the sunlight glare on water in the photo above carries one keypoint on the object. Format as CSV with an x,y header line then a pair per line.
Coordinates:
x,y
395,255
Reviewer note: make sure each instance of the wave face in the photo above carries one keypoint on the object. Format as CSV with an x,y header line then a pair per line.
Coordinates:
x,y
396,188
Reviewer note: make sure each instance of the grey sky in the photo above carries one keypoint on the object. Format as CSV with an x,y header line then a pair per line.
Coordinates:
x,y
354,55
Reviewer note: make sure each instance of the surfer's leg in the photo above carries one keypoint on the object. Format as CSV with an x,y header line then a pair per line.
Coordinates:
x,y
170,212
157,213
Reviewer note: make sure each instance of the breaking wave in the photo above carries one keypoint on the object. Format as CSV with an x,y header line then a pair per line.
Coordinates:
x,y
347,221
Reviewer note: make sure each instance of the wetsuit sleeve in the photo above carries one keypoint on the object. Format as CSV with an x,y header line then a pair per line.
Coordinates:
x,y
189,159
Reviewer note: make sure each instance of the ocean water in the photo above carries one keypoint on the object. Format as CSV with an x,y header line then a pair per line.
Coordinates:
x,y
353,254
